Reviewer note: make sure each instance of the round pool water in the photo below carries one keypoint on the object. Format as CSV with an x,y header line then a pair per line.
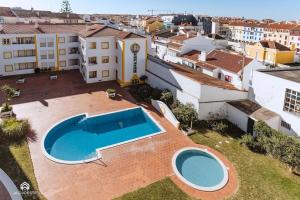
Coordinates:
x,y
200,169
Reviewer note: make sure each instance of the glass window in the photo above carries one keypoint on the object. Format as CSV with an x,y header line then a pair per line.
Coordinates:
x,y
42,42
105,73
50,42
43,55
9,68
104,45
7,55
117,59
51,64
6,41
93,60
93,74
61,40
62,63
62,52
51,54
292,101
105,59
93,45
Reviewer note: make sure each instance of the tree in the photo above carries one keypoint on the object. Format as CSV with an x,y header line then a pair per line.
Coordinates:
x,y
186,114
8,93
167,97
65,7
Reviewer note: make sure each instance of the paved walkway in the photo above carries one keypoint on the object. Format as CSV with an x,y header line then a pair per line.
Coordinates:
x,y
129,166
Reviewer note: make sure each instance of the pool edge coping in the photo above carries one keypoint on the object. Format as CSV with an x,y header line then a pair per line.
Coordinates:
x,y
47,155
219,186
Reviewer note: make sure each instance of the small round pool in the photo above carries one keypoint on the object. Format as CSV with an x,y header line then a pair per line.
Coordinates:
x,y
200,169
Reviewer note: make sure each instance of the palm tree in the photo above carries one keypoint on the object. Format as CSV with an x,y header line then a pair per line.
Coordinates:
x,y
8,93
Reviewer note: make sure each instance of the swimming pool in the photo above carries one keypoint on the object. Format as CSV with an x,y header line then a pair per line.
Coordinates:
x,y
200,169
77,139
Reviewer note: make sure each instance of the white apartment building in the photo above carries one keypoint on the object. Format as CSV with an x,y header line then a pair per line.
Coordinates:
x,y
231,67
100,52
279,91
175,46
207,94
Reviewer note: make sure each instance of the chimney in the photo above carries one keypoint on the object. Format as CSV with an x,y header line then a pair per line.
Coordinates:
x,y
202,56
36,25
187,35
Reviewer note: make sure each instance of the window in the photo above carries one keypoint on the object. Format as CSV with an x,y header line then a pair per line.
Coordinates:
x,y
62,63
228,78
43,42
6,41
51,54
50,42
116,45
61,40
43,55
292,101
62,52
219,75
93,60
7,55
51,64
24,66
104,45
117,59
285,125
44,65
93,45
9,68
25,40
105,59
105,73
93,74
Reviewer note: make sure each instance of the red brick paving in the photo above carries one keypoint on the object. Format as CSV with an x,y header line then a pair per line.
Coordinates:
x,y
129,166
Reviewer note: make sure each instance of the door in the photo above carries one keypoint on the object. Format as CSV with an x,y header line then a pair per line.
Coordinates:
x,y
250,125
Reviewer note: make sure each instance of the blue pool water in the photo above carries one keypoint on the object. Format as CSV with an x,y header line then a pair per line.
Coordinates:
x,y
77,138
199,168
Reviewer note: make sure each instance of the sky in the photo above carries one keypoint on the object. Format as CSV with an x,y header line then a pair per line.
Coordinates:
x,y
258,9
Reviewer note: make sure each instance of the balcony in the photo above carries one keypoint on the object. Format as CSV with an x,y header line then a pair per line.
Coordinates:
x,y
73,51
73,39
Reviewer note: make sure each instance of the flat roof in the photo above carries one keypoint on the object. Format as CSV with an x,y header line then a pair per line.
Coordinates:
x,y
291,73
253,109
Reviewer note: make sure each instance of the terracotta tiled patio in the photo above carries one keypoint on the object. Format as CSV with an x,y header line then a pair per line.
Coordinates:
x,y
129,167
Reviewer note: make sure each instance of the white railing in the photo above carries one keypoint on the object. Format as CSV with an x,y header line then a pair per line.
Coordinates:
x,y
165,110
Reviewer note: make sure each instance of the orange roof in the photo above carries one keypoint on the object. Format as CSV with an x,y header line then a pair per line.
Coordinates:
x,y
181,38
84,30
201,78
225,60
274,45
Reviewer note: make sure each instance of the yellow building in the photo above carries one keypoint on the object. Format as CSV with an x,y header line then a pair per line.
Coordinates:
x,y
271,52
152,25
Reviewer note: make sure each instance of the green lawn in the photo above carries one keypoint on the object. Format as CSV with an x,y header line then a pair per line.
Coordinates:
x,y
261,177
15,160
161,190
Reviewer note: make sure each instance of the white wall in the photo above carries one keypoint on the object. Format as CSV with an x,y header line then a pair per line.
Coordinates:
x,y
269,92
237,117
207,100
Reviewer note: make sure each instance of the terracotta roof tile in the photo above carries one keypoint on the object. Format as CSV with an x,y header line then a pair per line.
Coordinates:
x,y
202,78
274,45
6,12
181,38
225,60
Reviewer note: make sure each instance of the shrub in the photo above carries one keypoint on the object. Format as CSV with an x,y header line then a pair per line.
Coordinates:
x,y
8,92
144,91
143,78
167,97
110,91
14,129
185,114
269,141
37,70
296,170
6,107
156,93
219,126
